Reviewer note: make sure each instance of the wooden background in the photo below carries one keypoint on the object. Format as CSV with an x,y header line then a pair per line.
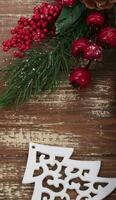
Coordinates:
x,y
84,120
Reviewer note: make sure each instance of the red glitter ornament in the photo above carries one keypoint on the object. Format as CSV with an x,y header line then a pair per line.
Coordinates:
x,y
93,51
108,36
80,77
95,18
79,45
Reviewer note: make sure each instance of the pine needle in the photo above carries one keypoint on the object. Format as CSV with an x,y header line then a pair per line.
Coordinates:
x,y
42,69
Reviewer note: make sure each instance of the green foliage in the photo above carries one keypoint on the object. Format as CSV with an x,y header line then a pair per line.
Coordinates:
x,y
68,17
40,71
45,67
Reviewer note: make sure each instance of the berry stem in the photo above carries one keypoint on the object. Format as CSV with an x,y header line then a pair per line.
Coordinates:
x,y
88,65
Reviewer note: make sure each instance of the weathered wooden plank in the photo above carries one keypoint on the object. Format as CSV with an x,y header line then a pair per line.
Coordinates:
x,y
18,191
13,7
12,169
85,120
15,191
99,140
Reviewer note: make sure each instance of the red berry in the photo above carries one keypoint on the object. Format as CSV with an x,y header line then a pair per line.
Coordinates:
x,y
38,24
27,47
25,23
49,19
22,19
5,48
69,3
26,37
12,31
42,35
108,36
38,31
93,51
36,17
80,77
36,38
53,31
27,32
95,18
18,54
36,9
21,31
31,22
45,30
44,24
30,30
55,14
13,43
8,43
42,16
51,11
79,45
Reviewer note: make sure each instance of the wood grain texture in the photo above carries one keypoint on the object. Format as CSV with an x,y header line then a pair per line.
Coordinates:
x,y
85,120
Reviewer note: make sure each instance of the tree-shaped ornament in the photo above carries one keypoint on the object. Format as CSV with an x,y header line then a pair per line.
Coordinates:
x,y
55,174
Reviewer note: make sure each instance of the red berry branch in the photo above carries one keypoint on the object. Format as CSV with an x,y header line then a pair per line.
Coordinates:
x,y
34,29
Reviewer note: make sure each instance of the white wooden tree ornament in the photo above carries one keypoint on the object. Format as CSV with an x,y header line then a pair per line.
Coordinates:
x,y
55,175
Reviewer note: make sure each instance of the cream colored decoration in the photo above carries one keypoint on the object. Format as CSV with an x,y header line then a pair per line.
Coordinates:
x,y
56,175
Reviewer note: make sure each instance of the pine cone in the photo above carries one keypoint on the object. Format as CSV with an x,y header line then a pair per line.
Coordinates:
x,y
98,4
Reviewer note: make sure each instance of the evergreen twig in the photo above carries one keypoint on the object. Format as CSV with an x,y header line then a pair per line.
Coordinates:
x,y
41,69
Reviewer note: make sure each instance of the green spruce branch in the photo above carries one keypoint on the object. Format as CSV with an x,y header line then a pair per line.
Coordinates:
x,y
44,67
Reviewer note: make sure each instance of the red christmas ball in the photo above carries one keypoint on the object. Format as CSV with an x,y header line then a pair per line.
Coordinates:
x,y
80,77
93,51
108,36
95,18
79,45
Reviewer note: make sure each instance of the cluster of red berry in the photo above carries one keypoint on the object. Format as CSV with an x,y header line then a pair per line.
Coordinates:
x,y
91,50
33,30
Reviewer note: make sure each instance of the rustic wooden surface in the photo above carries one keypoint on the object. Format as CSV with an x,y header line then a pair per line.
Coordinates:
x,y
85,120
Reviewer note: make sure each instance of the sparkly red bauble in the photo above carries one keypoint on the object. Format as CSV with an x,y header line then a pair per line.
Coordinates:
x,y
80,77
95,18
67,3
108,36
93,51
79,45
